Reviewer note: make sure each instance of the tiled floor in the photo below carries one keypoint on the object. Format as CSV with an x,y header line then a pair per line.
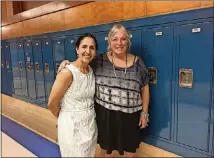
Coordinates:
x,y
17,150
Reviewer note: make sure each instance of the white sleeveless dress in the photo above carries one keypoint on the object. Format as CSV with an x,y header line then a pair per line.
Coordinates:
x,y
77,129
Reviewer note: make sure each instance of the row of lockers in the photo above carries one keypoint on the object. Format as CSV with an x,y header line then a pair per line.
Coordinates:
x,y
180,63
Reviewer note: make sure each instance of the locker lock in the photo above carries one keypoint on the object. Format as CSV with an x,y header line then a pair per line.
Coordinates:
x,y
186,78
152,73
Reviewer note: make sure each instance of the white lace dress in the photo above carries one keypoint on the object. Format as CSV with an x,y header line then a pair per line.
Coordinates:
x,y
77,129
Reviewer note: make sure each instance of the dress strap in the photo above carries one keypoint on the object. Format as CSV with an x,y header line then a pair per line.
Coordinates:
x,y
134,59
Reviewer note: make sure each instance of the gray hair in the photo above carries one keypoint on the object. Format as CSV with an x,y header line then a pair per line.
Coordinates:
x,y
114,30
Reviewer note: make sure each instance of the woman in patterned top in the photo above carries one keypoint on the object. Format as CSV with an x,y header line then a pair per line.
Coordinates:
x,y
122,95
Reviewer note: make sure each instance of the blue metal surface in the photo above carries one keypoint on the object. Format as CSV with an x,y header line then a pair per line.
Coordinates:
x,y
58,52
30,70
3,69
9,75
21,60
15,69
36,144
158,53
102,40
136,42
194,104
48,62
39,74
70,50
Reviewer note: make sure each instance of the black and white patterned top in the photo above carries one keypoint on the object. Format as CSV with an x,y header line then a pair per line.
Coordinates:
x,y
119,93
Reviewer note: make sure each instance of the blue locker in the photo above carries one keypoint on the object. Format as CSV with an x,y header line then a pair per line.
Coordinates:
x,y
9,77
3,70
58,52
70,48
48,62
22,68
194,120
39,74
102,40
15,69
136,42
157,55
30,70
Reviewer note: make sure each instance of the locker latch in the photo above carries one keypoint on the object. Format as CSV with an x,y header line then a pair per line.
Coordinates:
x,y
28,66
46,67
7,65
20,65
186,78
152,73
2,65
57,67
37,66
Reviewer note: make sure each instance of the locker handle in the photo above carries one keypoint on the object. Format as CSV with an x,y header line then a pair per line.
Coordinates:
x,y
20,65
186,78
152,73
46,67
28,66
37,66
7,65
2,65
57,67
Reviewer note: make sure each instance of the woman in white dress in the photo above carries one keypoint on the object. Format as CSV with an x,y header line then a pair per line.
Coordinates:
x,y
72,101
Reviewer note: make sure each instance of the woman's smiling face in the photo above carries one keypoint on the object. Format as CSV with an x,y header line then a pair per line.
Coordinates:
x,y
86,50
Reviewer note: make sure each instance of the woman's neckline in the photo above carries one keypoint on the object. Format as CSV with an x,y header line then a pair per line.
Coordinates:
x,y
89,69
106,54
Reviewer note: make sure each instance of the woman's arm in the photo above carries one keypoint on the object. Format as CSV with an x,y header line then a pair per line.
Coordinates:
x,y
143,122
60,86
145,98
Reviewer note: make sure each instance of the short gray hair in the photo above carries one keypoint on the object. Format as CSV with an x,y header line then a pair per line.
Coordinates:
x,y
114,30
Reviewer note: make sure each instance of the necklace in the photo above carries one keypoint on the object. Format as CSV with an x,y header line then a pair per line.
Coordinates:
x,y
115,70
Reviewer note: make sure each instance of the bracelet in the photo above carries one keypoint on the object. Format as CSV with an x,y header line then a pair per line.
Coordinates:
x,y
145,115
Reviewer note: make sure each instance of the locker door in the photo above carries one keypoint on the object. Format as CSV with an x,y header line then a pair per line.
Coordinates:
x,y
102,40
30,70
194,120
58,52
158,58
3,70
70,50
135,37
15,69
9,77
22,68
39,74
48,62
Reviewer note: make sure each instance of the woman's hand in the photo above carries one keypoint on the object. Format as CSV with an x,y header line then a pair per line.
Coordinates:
x,y
143,122
62,65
